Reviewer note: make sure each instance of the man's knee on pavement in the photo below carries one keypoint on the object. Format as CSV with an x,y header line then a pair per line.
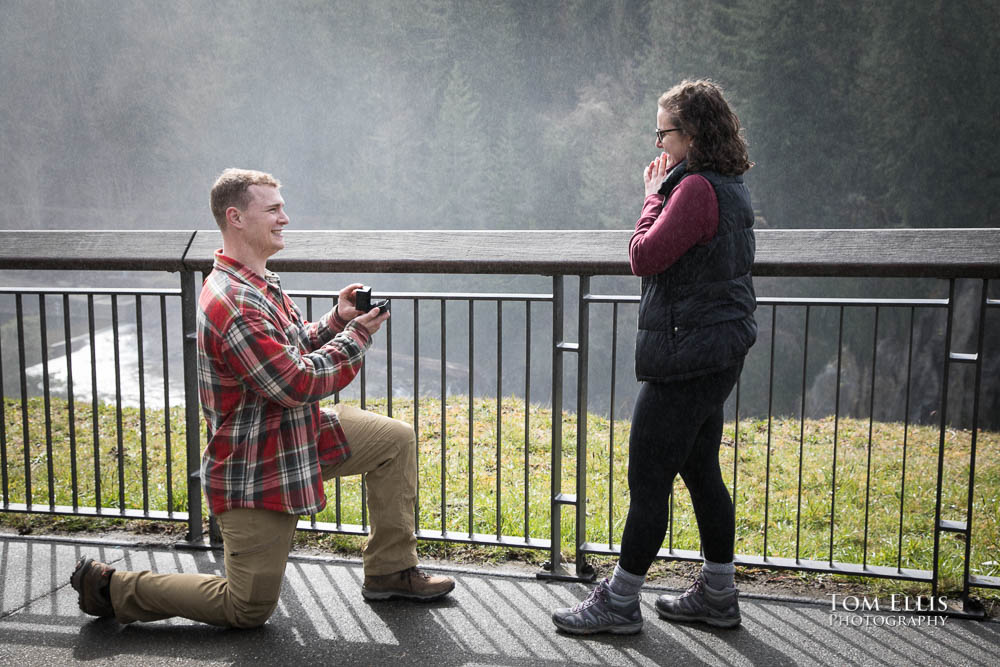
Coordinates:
x,y
250,605
248,615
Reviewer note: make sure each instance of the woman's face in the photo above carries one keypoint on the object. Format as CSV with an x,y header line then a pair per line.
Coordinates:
x,y
674,143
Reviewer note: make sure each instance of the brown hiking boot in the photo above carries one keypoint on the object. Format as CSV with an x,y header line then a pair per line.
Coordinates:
x,y
92,580
411,584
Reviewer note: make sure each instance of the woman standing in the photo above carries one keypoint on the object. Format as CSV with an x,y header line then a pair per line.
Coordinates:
x,y
693,246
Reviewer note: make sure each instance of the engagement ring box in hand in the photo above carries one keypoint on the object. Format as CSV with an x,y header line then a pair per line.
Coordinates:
x,y
363,301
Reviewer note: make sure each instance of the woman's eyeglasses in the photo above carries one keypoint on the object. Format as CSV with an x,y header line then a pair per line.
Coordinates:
x,y
662,133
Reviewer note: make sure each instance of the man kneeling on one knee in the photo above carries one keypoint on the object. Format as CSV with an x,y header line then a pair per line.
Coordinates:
x,y
262,371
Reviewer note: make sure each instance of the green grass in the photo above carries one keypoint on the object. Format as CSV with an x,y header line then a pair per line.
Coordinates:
x,y
793,520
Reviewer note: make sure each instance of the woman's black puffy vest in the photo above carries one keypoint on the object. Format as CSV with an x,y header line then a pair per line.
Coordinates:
x,y
696,317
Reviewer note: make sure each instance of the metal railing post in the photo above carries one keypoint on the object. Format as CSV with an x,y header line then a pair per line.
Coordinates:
x,y
583,569
967,603
577,499
950,312
963,528
192,411
555,532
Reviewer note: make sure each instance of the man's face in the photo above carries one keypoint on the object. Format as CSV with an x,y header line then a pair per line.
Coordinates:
x,y
263,220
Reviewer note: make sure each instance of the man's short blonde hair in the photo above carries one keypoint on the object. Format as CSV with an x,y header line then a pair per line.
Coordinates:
x,y
232,188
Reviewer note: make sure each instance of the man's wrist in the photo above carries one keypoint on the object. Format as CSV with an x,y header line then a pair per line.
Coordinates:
x,y
338,318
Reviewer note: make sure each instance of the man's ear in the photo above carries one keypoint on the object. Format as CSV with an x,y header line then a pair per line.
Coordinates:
x,y
234,217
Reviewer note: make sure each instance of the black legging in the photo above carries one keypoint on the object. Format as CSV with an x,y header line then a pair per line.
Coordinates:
x,y
677,428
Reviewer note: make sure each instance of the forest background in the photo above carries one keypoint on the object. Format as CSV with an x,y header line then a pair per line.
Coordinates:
x,y
517,114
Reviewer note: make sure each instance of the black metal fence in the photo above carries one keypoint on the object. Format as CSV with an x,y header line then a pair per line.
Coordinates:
x,y
788,550
76,431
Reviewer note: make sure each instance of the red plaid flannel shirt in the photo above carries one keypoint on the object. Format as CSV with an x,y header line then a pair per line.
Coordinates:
x,y
261,371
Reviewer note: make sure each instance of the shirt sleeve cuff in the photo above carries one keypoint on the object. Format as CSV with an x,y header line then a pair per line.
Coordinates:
x,y
359,333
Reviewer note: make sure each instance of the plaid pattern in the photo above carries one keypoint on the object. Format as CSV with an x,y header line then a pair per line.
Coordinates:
x,y
261,371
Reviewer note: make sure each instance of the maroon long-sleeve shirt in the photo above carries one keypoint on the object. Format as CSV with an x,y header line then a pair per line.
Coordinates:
x,y
668,229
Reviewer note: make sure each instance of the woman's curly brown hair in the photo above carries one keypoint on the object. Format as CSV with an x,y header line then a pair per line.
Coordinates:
x,y
701,111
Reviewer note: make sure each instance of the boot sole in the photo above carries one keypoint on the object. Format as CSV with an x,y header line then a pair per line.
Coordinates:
x,y
710,620
612,629
75,580
398,595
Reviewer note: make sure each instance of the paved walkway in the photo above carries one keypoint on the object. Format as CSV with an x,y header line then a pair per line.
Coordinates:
x,y
490,619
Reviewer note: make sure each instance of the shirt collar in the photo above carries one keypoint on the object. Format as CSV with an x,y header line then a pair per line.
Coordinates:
x,y
245,273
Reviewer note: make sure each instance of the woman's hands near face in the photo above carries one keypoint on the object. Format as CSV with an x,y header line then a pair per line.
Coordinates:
x,y
655,173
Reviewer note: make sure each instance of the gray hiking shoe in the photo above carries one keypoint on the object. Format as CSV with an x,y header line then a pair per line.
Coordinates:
x,y
701,602
602,611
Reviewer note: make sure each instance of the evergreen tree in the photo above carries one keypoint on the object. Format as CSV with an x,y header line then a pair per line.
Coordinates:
x,y
455,171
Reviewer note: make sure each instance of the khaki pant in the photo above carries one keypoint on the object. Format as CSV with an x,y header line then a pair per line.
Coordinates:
x,y
257,542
